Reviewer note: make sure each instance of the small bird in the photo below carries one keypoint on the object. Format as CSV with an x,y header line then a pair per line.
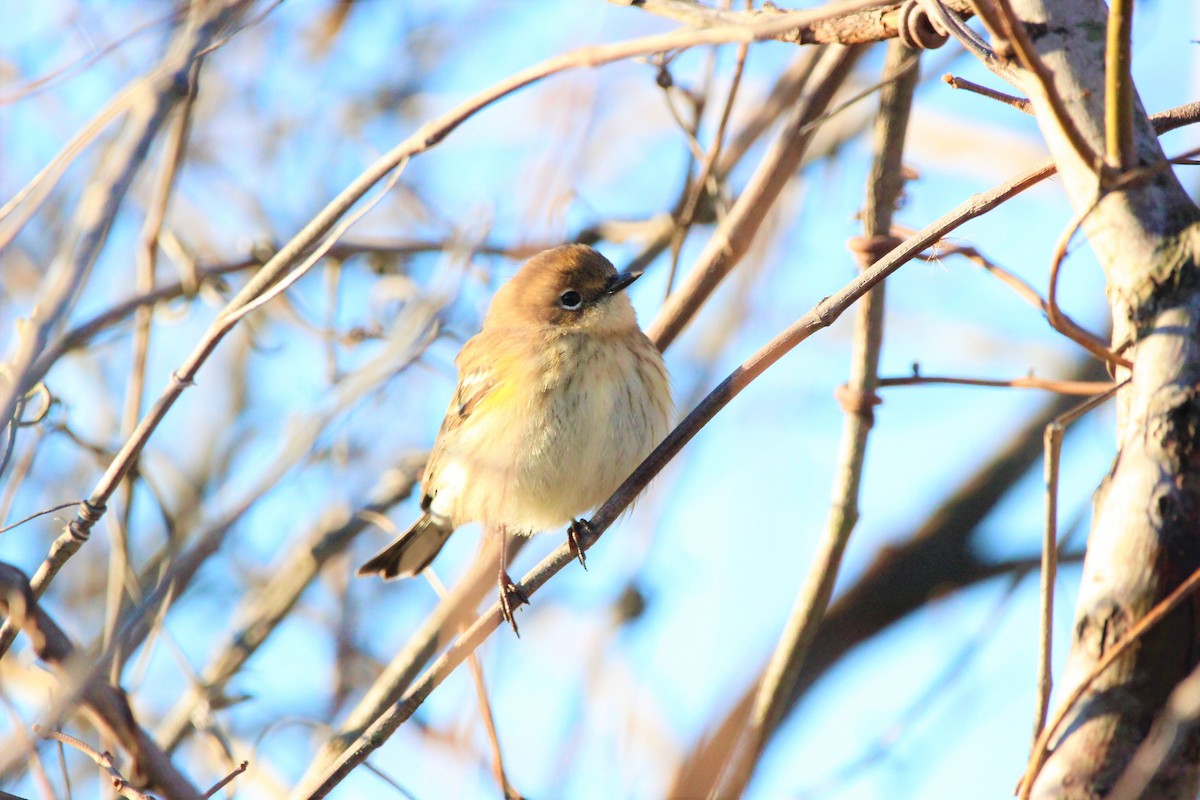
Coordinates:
x,y
560,396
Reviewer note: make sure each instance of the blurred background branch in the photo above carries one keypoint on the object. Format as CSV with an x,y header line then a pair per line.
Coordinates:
x,y
145,200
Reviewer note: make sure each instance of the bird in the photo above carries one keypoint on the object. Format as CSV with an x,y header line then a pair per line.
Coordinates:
x,y
560,396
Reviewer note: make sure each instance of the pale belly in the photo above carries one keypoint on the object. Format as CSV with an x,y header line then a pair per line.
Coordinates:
x,y
582,437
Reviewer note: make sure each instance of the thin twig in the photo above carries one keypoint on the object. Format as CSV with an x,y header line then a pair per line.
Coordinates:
x,y
481,695
221,784
1017,284
732,238
83,333
19,523
1025,382
1052,453
1022,104
1056,318
83,62
1119,144
104,760
700,185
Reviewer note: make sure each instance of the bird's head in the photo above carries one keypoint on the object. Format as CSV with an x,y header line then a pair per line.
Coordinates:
x,y
572,288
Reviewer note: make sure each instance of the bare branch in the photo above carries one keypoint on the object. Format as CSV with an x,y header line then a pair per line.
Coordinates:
x,y
856,27
1053,440
105,703
221,784
1024,382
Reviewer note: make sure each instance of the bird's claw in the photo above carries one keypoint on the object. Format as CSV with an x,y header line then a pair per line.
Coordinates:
x,y
577,527
511,598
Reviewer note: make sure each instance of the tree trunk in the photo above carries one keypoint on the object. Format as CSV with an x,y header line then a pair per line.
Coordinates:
x,y
1145,537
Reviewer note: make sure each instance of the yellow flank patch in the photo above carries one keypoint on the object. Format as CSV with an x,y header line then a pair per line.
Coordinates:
x,y
501,394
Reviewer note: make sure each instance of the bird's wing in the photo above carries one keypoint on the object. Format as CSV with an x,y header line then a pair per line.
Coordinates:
x,y
474,388
482,383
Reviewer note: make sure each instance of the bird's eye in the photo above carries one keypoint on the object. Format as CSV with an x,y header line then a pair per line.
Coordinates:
x,y
571,300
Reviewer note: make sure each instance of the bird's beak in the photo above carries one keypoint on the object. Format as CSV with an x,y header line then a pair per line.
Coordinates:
x,y
622,279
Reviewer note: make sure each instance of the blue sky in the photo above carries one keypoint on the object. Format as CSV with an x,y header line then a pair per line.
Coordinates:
x,y
723,538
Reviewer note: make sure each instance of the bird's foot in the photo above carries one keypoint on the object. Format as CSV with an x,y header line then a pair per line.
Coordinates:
x,y
577,527
511,598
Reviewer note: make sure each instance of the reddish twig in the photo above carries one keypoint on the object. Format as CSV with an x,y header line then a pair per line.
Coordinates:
x,y
1025,382
1056,318
1077,333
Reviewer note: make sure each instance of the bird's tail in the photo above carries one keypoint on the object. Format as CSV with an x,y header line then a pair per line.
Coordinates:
x,y
412,552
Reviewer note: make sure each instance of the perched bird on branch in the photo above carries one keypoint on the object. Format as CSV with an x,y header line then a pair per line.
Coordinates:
x,y
559,398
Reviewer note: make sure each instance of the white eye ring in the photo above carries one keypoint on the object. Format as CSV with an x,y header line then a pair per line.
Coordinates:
x,y
571,300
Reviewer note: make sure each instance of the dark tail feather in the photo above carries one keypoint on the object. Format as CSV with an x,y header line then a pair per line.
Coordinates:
x,y
411,553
